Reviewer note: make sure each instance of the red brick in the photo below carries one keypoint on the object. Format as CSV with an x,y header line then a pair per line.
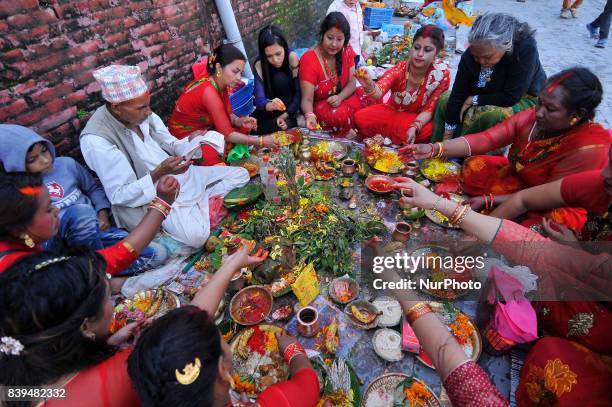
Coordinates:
x,y
46,16
147,29
129,22
48,63
13,110
160,37
14,55
153,50
56,119
76,97
26,87
93,86
48,94
12,7
173,53
60,43
20,21
117,38
5,97
84,78
3,25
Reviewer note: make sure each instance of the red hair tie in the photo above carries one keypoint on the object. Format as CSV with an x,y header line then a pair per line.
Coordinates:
x,y
29,191
556,83
427,30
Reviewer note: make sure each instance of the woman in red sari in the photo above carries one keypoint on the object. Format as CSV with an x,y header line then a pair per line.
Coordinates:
x,y
182,360
574,366
55,315
204,106
327,81
549,142
27,219
416,85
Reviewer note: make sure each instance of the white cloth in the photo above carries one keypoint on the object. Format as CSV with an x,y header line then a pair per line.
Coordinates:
x,y
188,221
354,16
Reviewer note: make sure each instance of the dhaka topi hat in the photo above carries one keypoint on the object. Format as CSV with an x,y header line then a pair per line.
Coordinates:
x,y
120,83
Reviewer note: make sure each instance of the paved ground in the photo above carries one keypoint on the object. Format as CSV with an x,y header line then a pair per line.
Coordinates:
x,y
563,43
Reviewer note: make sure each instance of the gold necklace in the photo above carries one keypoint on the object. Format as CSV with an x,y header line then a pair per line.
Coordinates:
x,y
413,95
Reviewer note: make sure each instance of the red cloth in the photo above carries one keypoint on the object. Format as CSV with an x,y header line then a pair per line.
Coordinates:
x,y
384,119
302,390
104,385
118,257
201,107
583,148
558,372
469,385
586,190
338,120
393,118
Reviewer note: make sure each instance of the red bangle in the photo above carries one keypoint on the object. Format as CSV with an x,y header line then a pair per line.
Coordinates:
x,y
433,151
492,199
486,202
292,351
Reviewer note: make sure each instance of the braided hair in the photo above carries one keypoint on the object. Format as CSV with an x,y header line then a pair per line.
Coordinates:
x,y
582,91
169,344
17,209
272,35
223,55
44,300
337,20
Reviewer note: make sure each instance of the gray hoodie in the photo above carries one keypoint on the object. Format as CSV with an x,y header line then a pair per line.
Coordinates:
x,y
68,182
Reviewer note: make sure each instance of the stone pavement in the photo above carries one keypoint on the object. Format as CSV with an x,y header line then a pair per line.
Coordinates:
x,y
563,43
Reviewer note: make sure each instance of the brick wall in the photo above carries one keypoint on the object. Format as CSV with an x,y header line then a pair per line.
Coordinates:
x,y
299,20
49,48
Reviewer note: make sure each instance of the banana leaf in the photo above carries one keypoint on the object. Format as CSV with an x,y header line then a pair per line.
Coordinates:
x,y
243,195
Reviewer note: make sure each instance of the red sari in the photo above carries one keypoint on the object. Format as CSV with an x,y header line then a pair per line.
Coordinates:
x,y
339,120
393,118
582,148
104,385
202,107
570,368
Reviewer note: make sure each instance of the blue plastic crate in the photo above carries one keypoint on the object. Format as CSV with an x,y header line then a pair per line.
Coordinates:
x,y
242,95
244,109
376,17
393,29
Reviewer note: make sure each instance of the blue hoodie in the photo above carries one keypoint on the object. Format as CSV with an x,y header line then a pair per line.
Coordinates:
x,y
68,182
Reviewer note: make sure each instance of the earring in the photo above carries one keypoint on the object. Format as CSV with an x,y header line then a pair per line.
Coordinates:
x,y
230,379
573,121
28,240
89,335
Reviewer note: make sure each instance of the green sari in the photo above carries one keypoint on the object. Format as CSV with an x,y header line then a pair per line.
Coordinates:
x,y
477,118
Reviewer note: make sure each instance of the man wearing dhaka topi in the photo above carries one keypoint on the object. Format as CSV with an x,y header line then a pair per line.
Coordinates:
x,y
130,149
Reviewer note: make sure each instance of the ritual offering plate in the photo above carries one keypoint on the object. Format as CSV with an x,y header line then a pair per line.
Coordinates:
x,y
150,304
412,392
284,139
380,184
328,150
243,195
462,328
388,345
380,392
438,170
251,305
438,266
391,311
438,218
343,290
362,314
338,381
257,360
385,160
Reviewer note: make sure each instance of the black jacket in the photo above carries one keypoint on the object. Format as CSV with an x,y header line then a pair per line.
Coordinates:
x,y
516,74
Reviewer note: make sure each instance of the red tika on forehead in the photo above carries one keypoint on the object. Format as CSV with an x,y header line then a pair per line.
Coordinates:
x,y
30,191
558,82
427,30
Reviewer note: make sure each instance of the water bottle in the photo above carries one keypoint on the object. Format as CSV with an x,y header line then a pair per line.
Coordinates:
x,y
271,189
263,169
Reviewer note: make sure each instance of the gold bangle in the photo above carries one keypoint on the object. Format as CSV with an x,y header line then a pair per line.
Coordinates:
x,y
155,208
461,217
161,201
455,220
129,247
260,141
418,311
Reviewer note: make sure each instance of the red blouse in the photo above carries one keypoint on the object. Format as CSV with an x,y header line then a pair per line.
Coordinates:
x,y
586,190
582,148
311,71
118,257
423,99
201,107
104,385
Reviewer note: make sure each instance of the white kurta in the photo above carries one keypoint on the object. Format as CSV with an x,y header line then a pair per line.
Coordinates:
x,y
189,220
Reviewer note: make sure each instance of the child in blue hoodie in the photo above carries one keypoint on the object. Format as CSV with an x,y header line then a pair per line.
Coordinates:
x,y
84,208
